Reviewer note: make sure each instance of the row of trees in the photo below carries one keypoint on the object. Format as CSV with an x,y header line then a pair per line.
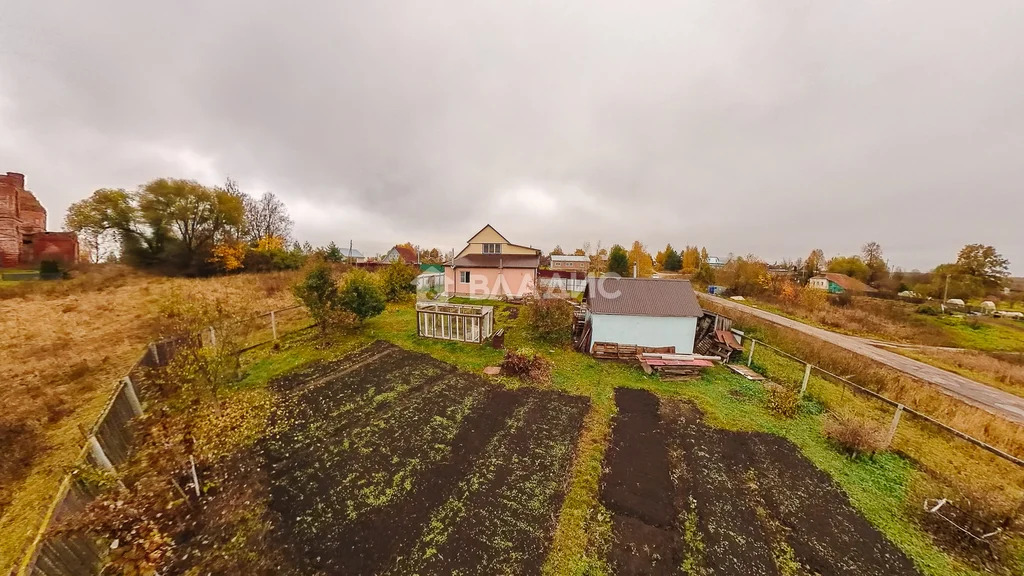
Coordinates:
x,y
979,270
180,225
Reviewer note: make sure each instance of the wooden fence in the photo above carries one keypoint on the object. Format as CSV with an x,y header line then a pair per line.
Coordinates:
x,y
109,444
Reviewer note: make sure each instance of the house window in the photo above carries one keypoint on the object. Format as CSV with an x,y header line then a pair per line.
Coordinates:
x,y
464,276
492,248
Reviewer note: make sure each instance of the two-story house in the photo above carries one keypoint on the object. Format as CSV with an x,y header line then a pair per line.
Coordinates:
x,y
570,263
492,267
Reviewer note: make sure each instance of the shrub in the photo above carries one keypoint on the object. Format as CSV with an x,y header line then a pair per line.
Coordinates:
x,y
813,299
550,319
855,436
318,292
841,300
782,400
49,267
526,364
928,310
361,295
397,280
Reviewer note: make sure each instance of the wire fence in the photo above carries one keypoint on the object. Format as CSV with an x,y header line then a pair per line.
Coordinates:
x,y
109,443
903,423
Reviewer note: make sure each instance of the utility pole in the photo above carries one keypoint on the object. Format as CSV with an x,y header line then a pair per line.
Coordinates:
x,y
350,251
945,293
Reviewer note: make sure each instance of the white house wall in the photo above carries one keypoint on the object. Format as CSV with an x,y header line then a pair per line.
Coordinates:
x,y
645,331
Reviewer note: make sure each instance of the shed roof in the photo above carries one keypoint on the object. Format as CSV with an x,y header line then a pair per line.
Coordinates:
x,y
497,260
569,258
642,297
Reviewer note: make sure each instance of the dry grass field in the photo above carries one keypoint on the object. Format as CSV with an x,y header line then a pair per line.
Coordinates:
x,y
64,345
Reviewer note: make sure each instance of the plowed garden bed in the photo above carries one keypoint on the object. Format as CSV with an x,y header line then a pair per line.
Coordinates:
x,y
689,498
391,462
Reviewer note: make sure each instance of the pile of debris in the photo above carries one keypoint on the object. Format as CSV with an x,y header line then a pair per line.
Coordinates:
x,y
676,367
715,337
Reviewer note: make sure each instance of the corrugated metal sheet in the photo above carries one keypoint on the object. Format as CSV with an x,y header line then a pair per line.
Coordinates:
x,y
642,297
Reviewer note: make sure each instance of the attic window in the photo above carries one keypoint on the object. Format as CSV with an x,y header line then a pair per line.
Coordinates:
x,y
492,248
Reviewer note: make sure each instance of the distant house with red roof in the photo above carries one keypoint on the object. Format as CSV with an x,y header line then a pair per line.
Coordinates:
x,y
836,283
401,252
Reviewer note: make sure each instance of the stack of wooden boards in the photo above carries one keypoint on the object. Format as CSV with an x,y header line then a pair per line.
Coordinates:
x,y
675,367
613,351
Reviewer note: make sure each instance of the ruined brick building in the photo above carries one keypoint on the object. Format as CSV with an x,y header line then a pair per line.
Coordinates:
x,y
24,240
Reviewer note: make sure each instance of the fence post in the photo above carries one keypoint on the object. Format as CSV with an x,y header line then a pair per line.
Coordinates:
x,y
155,353
807,376
100,456
750,359
133,399
213,337
273,324
895,423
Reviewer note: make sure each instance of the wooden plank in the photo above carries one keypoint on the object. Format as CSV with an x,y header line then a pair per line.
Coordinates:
x,y
745,372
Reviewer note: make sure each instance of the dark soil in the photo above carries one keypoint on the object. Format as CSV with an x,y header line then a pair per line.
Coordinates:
x,y
762,506
637,490
388,461
687,498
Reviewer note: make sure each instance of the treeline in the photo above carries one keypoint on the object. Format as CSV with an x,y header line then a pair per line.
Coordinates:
x,y
180,226
978,271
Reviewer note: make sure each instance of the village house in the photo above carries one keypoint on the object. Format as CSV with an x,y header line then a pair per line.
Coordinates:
x,y
403,253
24,240
492,267
649,312
352,255
836,283
570,263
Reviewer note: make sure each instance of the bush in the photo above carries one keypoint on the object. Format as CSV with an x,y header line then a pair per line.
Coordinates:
x,y
841,300
855,436
318,292
550,319
49,267
525,364
928,310
782,400
361,295
397,280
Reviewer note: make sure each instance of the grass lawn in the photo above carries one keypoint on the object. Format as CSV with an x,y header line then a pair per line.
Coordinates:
x,y
980,333
878,487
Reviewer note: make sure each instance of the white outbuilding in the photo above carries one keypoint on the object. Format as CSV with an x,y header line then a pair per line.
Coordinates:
x,y
651,312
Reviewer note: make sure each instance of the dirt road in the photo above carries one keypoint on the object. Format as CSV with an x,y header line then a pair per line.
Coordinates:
x,y
983,396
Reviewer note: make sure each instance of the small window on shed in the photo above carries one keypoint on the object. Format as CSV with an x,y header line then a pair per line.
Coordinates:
x,y
464,276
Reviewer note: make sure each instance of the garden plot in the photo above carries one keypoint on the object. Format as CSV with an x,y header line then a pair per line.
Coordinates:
x,y
686,496
391,462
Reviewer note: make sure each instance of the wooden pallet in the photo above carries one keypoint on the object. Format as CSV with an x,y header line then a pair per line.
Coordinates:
x,y
614,351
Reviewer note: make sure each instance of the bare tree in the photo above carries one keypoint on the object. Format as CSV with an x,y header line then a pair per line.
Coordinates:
x,y
266,217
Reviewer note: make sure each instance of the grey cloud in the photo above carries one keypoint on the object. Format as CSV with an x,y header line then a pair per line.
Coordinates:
x,y
746,126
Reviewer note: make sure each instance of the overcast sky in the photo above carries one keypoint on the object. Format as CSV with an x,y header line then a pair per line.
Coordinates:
x,y
764,127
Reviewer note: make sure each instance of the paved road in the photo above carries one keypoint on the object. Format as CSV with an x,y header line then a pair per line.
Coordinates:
x,y
981,395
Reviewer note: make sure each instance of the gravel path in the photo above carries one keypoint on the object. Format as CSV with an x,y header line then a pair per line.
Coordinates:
x,y
975,393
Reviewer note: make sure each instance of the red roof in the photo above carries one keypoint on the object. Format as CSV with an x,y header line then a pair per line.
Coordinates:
x,y
407,254
847,283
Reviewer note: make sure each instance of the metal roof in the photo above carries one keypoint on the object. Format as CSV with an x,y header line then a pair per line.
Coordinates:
x,y
497,260
642,297
569,258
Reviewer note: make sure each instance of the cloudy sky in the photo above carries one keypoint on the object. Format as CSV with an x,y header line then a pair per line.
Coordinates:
x,y
764,127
